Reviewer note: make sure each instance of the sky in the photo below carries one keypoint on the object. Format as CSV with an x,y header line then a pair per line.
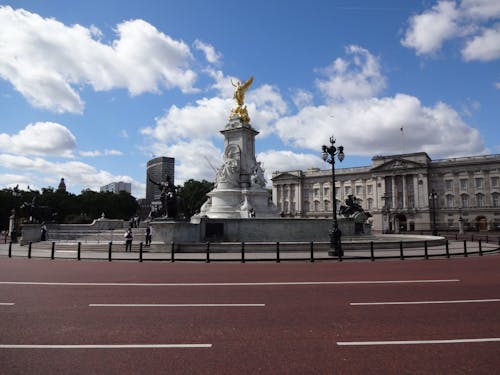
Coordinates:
x,y
91,90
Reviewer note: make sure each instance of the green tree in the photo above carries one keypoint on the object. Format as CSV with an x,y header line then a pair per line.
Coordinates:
x,y
192,195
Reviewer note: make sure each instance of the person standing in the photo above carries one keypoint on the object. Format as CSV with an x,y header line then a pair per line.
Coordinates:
x,y
148,235
128,239
43,232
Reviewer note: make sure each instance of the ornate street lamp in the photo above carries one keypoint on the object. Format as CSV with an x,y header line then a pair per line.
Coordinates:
x,y
328,156
433,201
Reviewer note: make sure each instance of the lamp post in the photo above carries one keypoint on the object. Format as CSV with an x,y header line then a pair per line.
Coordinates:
x,y
386,215
328,155
433,200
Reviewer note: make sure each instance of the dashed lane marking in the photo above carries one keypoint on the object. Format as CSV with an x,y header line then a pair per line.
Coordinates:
x,y
417,342
118,346
423,302
177,305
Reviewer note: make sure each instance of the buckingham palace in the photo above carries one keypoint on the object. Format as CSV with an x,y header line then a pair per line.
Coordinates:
x,y
406,192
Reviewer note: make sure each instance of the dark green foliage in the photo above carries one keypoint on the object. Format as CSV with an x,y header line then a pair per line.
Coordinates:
x,y
192,195
62,207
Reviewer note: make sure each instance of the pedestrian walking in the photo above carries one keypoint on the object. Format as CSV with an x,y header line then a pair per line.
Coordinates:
x,y
128,239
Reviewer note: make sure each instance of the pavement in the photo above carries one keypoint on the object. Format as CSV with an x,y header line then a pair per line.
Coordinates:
x,y
69,251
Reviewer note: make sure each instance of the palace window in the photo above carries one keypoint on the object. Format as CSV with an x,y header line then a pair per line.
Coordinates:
x,y
479,183
327,205
465,200
359,190
463,184
480,200
369,189
449,185
449,201
496,200
370,203
494,182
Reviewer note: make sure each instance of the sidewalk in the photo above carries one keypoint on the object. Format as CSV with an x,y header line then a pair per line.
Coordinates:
x,y
455,248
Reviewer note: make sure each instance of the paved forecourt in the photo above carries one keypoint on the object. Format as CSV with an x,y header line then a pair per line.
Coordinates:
x,y
86,317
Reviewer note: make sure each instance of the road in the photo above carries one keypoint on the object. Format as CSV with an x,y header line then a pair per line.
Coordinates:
x,y
390,317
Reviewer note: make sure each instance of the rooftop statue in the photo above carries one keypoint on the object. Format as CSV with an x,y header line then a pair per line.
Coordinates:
x,y
239,95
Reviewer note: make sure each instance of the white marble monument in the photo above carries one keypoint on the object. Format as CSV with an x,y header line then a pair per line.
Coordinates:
x,y
240,185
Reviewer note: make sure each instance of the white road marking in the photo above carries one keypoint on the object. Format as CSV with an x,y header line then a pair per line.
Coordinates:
x,y
292,283
119,346
423,302
177,305
6,303
416,342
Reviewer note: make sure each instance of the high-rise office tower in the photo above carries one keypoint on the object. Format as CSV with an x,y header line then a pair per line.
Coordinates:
x,y
157,170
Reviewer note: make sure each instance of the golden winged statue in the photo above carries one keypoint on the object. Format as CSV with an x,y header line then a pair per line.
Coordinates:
x,y
239,95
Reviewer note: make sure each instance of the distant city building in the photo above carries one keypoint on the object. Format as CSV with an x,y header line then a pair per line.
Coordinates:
x,y
157,170
116,187
62,185
402,192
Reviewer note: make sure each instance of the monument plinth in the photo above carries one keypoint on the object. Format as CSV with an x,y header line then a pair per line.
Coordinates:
x,y
240,185
239,190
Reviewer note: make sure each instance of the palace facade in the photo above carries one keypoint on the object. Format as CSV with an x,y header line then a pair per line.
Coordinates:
x,y
406,192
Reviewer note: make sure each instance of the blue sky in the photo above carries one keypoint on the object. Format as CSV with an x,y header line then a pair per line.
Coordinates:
x,y
91,90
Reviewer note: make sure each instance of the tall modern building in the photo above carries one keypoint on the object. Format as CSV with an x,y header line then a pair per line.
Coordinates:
x,y
157,170
116,187
404,192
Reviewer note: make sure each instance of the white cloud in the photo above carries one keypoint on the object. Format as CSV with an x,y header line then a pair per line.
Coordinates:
x,y
302,98
448,20
105,152
353,78
481,9
428,31
41,138
286,160
211,55
46,61
194,158
75,173
484,47
372,126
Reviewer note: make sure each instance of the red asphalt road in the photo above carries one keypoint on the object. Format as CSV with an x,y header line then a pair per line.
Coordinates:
x,y
296,332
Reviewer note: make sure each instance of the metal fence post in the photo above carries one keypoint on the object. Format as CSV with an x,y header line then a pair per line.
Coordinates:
x,y
79,251
29,250
208,252
372,255
401,255
311,244
172,252
243,252
10,249
447,247
465,248
52,250
278,252
110,250
140,251
426,253
481,248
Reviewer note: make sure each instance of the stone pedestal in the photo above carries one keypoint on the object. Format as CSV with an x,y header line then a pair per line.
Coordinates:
x,y
240,186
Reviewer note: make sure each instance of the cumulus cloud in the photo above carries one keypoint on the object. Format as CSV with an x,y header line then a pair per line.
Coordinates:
x,y
428,31
41,138
372,126
47,61
75,173
285,160
468,20
211,55
357,76
484,47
